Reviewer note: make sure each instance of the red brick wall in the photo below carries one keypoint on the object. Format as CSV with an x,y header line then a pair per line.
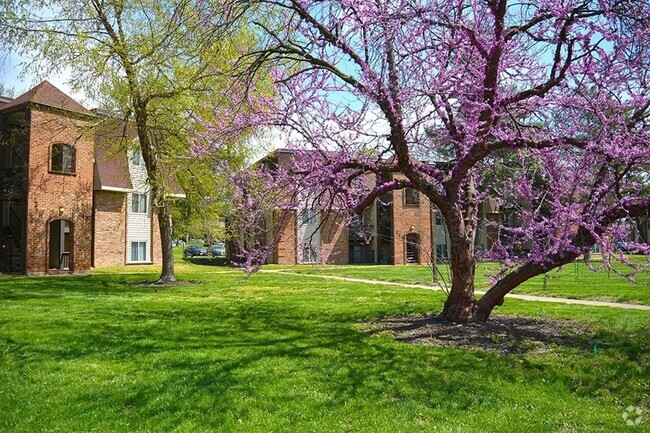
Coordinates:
x,y
110,228
335,247
52,196
286,252
411,219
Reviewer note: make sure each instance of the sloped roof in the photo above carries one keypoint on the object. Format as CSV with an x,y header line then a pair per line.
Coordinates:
x,y
112,139
48,95
112,170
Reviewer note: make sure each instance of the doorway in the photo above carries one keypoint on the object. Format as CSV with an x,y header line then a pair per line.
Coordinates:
x,y
60,245
412,248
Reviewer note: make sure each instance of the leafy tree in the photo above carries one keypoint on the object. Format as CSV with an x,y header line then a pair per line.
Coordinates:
x,y
156,63
554,94
197,216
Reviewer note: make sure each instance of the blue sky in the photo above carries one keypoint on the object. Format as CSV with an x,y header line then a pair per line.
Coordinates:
x,y
10,76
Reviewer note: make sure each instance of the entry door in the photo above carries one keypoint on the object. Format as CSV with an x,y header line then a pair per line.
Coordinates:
x,y
60,244
412,248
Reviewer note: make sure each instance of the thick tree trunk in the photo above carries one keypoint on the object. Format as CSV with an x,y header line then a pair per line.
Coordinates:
x,y
158,192
461,303
165,225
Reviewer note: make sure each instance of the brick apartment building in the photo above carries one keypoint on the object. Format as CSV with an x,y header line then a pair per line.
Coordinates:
x,y
69,198
400,228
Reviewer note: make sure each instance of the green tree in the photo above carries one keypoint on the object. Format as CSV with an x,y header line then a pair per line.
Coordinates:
x,y
158,63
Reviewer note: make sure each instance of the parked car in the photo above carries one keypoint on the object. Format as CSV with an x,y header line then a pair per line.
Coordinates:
x,y
623,247
194,251
217,250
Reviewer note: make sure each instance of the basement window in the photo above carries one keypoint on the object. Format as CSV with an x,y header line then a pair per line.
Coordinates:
x,y
63,158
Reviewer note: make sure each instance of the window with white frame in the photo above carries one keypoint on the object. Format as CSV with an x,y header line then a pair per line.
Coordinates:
x,y
138,251
139,203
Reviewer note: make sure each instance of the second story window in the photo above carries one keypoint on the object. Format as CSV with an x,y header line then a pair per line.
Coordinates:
x,y
63,158
136,158
308,216
411,196
139,203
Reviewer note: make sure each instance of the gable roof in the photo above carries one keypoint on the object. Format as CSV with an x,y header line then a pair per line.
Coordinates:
x,y
48,95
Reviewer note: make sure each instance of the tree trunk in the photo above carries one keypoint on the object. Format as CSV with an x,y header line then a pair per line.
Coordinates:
x,y
158,191
165,226
461,303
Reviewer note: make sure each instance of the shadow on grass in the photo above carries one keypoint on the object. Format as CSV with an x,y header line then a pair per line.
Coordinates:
x,y
24,288
170,358
213,357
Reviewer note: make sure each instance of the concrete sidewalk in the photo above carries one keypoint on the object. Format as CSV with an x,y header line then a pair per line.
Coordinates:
x,y
478,292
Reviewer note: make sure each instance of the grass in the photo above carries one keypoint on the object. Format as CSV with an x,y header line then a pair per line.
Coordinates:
x,y
281,353
575,281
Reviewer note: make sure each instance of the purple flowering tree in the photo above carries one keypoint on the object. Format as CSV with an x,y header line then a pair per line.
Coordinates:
x,y
542,104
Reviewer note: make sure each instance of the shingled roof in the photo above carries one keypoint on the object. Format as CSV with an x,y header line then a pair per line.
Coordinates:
x,y
112,138
48,95
111,170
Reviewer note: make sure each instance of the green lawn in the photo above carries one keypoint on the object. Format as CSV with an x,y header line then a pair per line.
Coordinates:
x,y
573,281
280,353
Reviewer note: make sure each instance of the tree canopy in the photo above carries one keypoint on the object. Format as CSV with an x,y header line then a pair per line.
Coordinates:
x,y
554,96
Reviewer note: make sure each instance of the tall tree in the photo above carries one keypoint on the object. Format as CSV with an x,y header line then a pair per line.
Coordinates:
x,y
155,62
554,93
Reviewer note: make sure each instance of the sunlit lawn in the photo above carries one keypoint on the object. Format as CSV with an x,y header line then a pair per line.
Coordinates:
x,y
282,353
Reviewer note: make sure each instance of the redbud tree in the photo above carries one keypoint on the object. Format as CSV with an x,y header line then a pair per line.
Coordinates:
x,y
542,104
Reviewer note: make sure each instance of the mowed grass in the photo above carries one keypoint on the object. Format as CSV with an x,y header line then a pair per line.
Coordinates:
x,y
282,353
575,281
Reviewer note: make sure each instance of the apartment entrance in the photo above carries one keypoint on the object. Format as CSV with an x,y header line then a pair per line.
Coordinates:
x,y
412,248
60,245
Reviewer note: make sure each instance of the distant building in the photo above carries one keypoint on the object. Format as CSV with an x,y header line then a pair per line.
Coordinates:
x,y
402,227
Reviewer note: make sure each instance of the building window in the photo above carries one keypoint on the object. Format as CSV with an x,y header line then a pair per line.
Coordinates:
x,y
441,251
308,216
439,219
138,251
308,253
139,203
63,158
136,157
411,196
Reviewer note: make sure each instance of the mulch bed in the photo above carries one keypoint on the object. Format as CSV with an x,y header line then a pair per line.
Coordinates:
x,y
502,334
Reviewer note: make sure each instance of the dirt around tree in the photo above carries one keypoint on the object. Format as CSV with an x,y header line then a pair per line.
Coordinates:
x,y
502,334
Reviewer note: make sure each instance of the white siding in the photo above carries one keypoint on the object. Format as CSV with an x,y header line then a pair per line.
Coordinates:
x,y
308,233
138,225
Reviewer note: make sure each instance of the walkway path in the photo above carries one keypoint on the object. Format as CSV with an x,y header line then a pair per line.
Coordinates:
x,y
478,292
